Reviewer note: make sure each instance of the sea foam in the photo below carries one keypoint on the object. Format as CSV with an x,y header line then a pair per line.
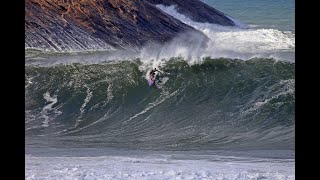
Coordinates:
x,y
238,42
159,166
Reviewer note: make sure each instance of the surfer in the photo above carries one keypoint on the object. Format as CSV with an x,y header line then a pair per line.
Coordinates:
x,y
152,77
153,73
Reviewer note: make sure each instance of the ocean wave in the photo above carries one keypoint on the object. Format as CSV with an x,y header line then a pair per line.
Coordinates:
x,y
219,103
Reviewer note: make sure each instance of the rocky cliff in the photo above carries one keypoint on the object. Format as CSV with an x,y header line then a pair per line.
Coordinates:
x,y
73,25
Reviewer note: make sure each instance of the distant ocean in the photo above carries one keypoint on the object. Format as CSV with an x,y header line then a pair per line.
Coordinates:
x,y
224,112
276,14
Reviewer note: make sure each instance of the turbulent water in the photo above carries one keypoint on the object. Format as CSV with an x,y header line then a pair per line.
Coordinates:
x,y
239,42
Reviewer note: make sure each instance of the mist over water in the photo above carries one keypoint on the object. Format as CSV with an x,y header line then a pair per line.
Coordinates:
x,y
239,42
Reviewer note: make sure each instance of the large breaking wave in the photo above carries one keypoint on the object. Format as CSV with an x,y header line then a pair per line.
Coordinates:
x,y
220,103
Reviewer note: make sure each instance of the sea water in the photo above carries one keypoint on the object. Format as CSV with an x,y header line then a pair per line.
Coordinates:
x,y
275,14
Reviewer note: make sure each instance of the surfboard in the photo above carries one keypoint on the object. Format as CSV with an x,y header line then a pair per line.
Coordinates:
x,y
151,82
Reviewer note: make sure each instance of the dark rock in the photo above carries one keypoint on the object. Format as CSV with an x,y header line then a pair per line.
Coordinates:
x,y
73,25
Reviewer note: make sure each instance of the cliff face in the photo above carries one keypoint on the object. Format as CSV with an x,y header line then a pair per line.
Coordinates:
x,y
68,25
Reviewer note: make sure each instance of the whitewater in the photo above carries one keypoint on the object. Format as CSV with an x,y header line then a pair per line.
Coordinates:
x,y
156,165
221,111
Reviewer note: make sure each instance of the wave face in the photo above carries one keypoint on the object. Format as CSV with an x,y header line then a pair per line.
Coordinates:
x,y
218,104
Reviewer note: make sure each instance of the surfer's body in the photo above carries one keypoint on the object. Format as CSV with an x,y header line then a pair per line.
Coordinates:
x,y
153,74
152,77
